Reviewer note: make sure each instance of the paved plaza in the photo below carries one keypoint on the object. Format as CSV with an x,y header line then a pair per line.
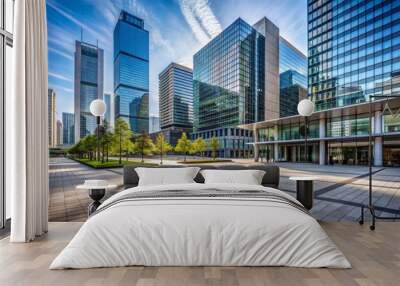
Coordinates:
x,y
339,190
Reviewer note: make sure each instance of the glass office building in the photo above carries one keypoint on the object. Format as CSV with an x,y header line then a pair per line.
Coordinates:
x,y
175,102
228,88
107,115
131,72
176,97
236,81
354,51
89,84
68,128
228,79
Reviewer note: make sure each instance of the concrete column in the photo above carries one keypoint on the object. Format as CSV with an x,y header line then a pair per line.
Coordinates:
x,y
378,151
276,152
378,122
255,145
286,153
322,128
322,144
294,154
378,142
322,152
276,149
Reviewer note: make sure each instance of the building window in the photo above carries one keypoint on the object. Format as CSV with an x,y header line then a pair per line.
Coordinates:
x,y
391,123
6,43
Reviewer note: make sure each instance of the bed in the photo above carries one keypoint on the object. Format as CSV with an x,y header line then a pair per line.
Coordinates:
x,y
197,224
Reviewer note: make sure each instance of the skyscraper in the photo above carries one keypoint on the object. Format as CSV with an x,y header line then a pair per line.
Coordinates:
x,y
271,66
107,115
175,85
68,128
176,98
154,124
353,51
284,66
59,133
131,72
89,76
52,118
236,82
228,79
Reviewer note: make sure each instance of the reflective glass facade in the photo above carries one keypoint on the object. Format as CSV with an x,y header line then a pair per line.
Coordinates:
x,y
107,115
131,72
233,142
354,50
290,96
290,58
348,126
89,61
292,78
68,128
228,79
176,97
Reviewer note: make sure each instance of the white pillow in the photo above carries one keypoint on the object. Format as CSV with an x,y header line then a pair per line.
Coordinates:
x,y
166,176
247,177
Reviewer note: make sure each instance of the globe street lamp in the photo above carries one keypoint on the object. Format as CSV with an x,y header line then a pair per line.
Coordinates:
x,y
305,108
98,108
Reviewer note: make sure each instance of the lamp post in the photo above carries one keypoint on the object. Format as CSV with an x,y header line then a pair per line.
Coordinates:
x,y
370,205
305,108
98,108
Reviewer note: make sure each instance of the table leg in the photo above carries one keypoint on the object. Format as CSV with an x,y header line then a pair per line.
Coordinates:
x,y
305,194
96,195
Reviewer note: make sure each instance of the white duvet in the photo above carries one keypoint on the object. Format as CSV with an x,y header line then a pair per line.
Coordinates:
x,y
202,232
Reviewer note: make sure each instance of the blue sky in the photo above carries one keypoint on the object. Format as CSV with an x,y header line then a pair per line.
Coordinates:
x,y
178,29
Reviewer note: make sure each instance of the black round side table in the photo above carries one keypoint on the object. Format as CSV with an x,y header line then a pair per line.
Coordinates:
x,y
97,190
304,190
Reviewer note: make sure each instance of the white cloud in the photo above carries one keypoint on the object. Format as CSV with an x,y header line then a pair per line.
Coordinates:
x,y
68,15
59,76
201,19
61,53
62,88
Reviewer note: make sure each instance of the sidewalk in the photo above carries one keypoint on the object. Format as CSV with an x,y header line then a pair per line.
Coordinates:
x,y
339,190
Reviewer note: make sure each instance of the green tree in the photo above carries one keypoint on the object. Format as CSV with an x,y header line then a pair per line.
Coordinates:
x,y
162,146
89,146
76,150
198,146
144,145
184,145
106,141
214,145
121,138
128,147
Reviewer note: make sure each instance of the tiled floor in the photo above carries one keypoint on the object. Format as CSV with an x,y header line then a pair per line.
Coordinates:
x,y
66,202
339,190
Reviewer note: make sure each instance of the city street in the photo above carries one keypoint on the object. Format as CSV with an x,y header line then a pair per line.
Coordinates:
x,y
339,190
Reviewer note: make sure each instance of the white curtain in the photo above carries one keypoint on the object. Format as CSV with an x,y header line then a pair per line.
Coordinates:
x,y
26,124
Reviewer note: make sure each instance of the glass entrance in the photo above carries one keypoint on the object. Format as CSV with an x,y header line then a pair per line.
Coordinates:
x,y
391,153
348,153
